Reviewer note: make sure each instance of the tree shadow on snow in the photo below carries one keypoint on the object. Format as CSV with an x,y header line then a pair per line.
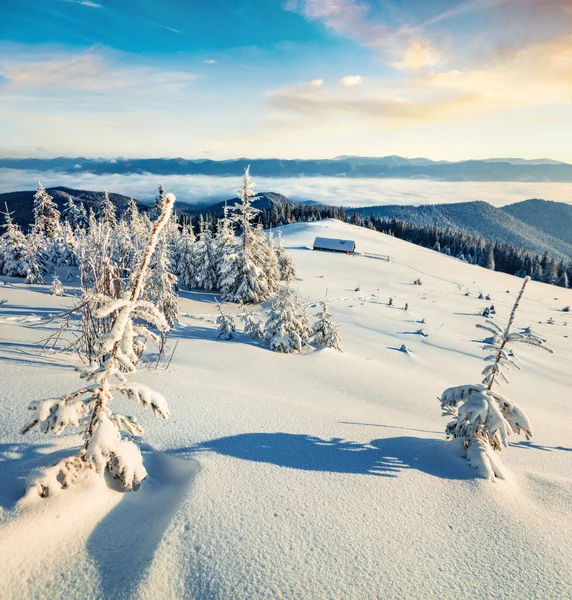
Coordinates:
x,y
533,446
123,544
385,457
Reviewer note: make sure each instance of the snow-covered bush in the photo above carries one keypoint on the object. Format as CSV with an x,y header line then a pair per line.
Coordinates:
x,y
482,417
326,330
108,445
57,288
226,326
252,327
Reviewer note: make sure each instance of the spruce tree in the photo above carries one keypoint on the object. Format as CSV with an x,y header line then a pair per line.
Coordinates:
x,y
109,445
46,213
482,418
326,331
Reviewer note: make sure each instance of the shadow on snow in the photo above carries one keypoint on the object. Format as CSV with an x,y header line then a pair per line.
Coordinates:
x,y
385,457
123,544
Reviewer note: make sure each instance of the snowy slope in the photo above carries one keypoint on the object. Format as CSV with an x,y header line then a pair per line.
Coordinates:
x,y
320,475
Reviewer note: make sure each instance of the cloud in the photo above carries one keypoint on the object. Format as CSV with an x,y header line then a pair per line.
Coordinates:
x,y
328,190
351,81
418,55
535,76
85,3
211,61
94,70
172,29
316,83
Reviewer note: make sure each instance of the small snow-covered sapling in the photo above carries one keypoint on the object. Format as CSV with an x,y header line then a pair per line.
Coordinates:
x,y
252,328
482,418
326,330
108,444
57,288
226,327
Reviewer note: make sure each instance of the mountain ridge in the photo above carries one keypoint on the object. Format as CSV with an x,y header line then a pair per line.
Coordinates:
x,y
541,170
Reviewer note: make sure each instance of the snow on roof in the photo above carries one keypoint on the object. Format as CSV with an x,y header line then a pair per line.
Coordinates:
x,y
323,243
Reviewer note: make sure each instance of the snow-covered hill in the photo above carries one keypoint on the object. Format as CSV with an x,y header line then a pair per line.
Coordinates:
x,y
319,475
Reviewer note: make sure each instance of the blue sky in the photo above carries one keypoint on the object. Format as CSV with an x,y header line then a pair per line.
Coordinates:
x,y
290,78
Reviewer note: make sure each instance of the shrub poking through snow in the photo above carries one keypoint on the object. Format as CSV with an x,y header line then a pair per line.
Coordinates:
x,y
57,288
226,327
252,328
326,330
482,417
108,445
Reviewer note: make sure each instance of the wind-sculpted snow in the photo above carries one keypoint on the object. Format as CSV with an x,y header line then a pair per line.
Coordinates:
x,y
316,474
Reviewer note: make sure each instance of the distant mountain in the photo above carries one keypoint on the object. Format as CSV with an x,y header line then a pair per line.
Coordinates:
x,y
263,200
509,169
22,203
526,161
480,218
554,218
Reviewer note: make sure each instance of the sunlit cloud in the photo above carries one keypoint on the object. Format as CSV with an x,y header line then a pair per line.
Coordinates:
x,y
351,81
316,83
94,70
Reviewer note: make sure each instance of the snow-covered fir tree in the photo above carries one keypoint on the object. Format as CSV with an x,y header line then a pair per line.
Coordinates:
x,y
13,249
226,327
284,331
107,435
285,262
35,258
46,213
483,418
107,213
185,264
205,261
326,330
75,214
160,288
158,202
57,288
253,328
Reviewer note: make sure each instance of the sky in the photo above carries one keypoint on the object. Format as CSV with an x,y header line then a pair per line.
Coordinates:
x,y
221,79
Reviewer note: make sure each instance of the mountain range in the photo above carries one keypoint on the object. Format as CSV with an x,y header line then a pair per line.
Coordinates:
x,y
493,169
539,226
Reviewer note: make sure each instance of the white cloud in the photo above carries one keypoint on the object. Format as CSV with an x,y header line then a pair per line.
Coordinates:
x,y
85,3
94,70
418,55
351,81
328,190
211,61
172,29
316,83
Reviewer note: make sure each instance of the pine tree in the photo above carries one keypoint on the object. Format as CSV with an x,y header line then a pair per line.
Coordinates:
x,y
107,445
35,259
57,288
13,249
252,328
158,203
161,284
46,213
107,211
326,331
563,280
205,261
482,417
226,327
185,266
75,215
285,263
283,331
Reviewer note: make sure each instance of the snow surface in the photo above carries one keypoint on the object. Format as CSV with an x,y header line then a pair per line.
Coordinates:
x,y
316,475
